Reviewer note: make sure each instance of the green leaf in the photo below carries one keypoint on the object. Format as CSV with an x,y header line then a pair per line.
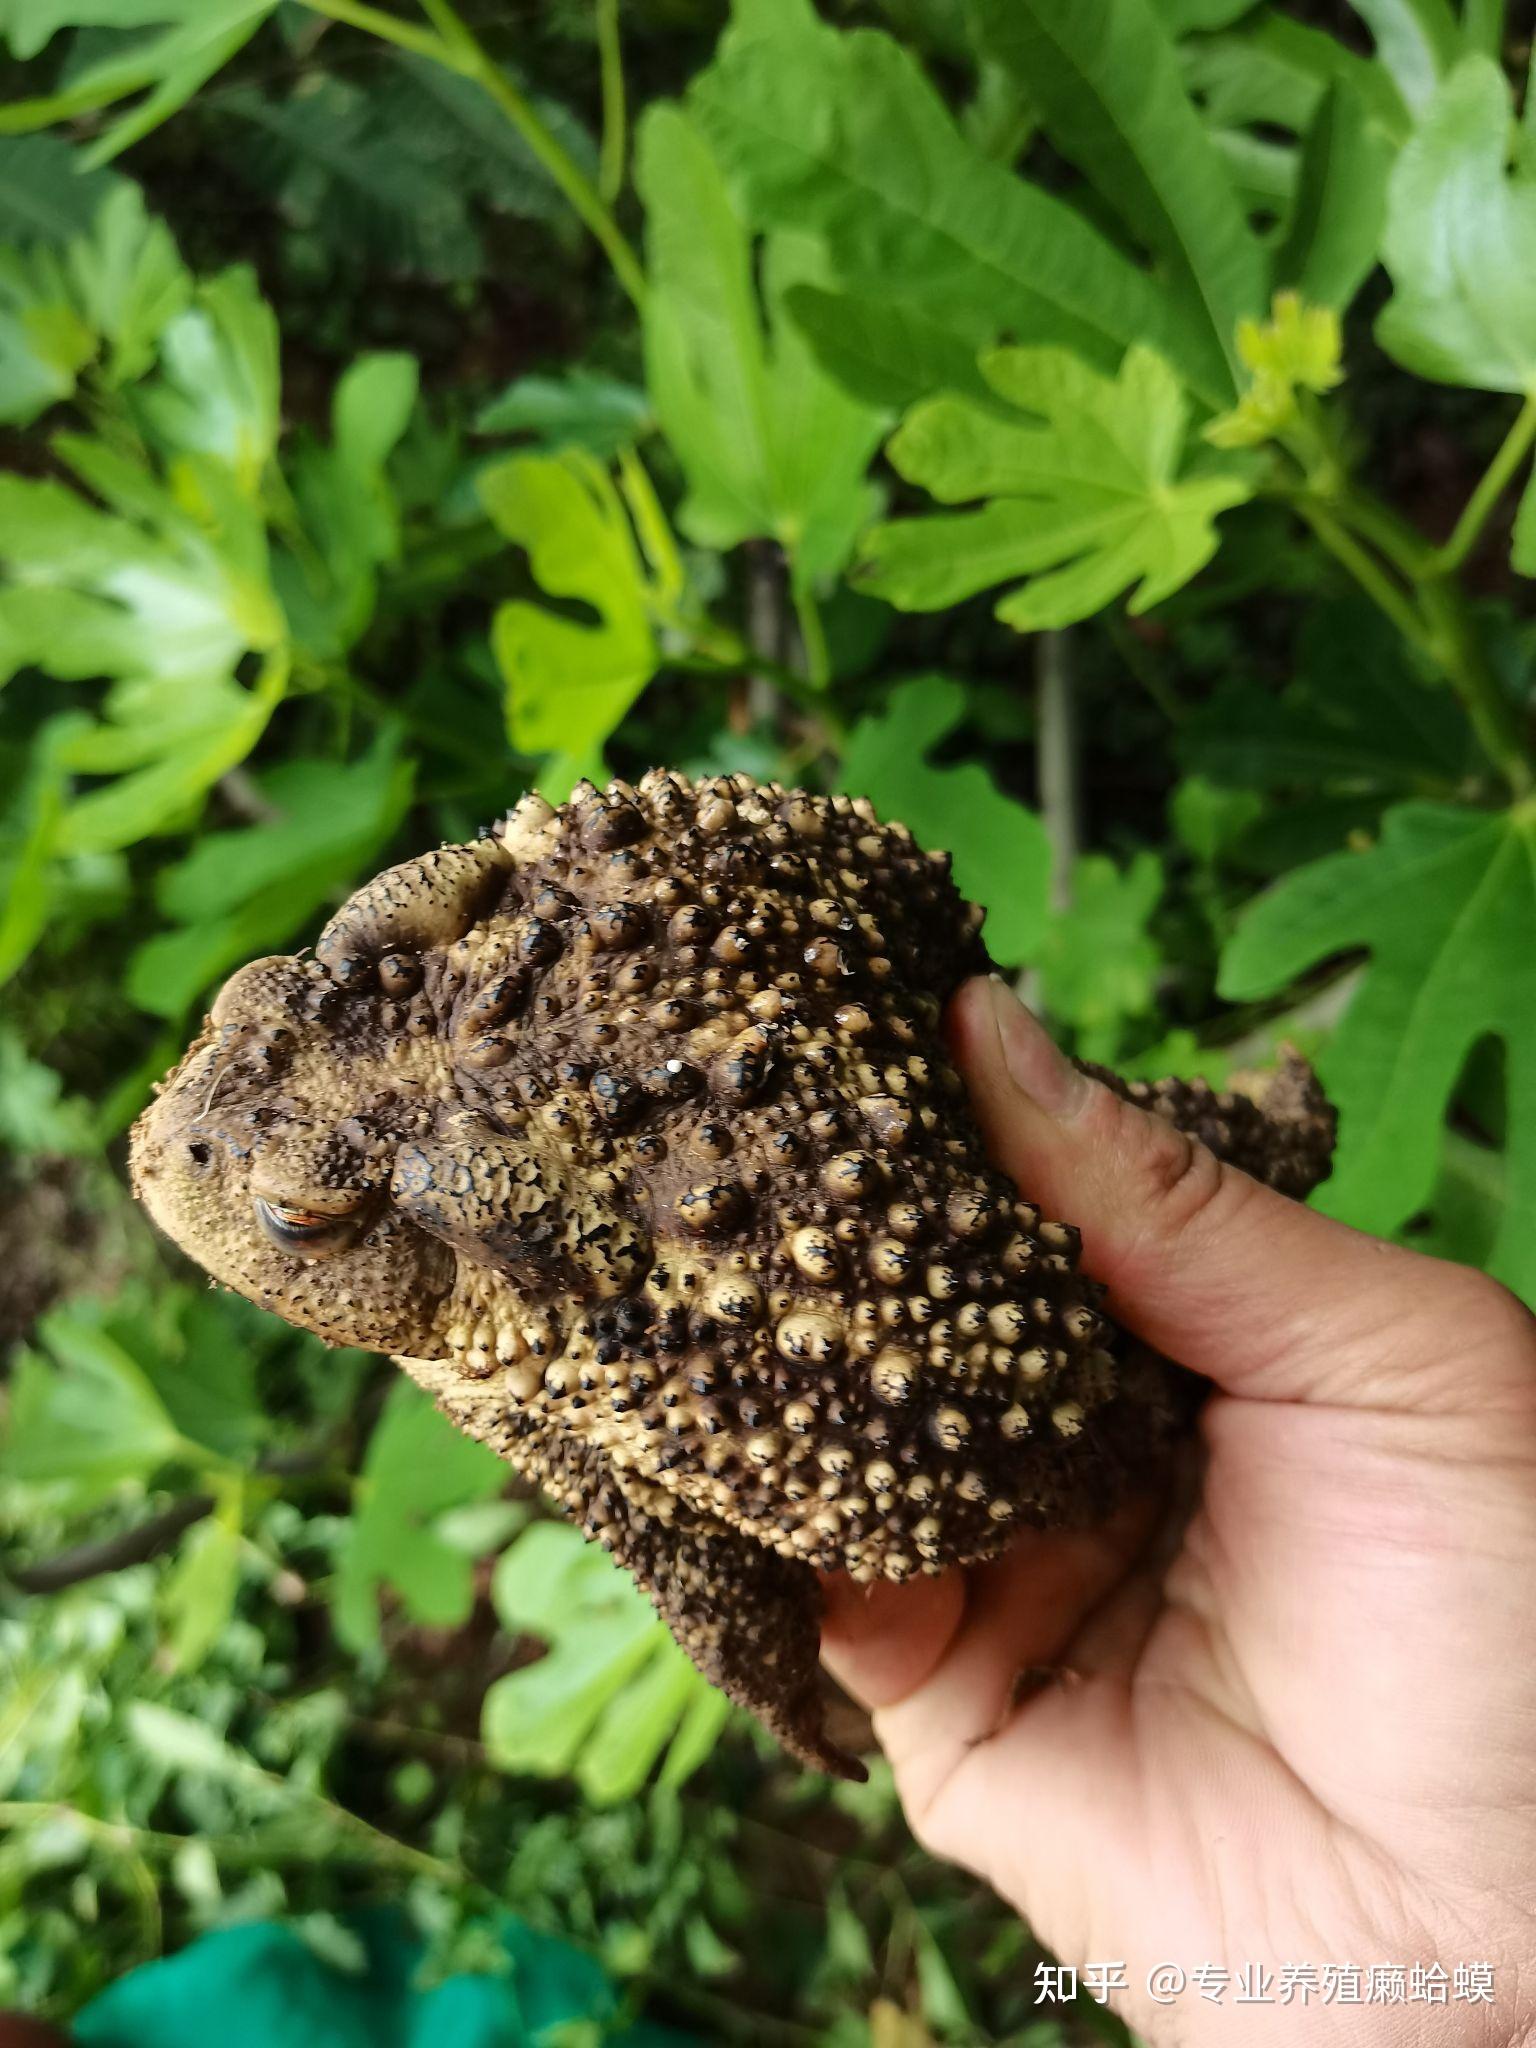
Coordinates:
x,y
1354,716
582,409
165,594
1210,820
197,38
219,390
1104,79
461,126
84,1417
1264,81
368,190
771,446
30,25
1417,41
45,195
569,684
43,341
201,1361
1001,851
399,172
198,1595
842,137
1335,224
184,59
31,842
36,1117
884,352
328,579
1483,26
1461,241
1087,490
180,1742
633,1729
1444,907
240,894
129,281
1099,961
613,1689
167,745
417,1466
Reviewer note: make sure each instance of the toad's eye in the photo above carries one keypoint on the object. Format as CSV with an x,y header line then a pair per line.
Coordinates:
x,y
302,1230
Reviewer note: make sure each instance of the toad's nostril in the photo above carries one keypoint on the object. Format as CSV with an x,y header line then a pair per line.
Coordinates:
x,y
198,1154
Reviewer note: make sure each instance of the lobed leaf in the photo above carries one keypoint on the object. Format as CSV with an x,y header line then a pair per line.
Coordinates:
x,y
195,39
613,1689
44,343
1461,241
1443,906
327,578
219,390
1001,851
1099,962
417,1467
1086,485
84,1416
569,683
129,283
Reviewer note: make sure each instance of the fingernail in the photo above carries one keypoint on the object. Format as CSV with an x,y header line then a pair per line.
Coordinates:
x,y
1036,1064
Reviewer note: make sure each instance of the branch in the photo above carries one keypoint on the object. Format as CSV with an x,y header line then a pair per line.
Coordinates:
x,y
115,1553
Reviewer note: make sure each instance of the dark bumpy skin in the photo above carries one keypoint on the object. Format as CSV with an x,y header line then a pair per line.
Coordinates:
x,y
629,1130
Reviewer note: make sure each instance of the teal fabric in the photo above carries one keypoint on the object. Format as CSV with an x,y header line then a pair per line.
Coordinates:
x,y
253,1986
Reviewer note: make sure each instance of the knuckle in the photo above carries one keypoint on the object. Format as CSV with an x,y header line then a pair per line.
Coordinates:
x,y
1176,1178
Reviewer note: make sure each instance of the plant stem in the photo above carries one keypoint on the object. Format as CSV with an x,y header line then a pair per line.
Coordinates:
x,y
1495,479
453,31
1438,624
1367,572
462,50
1448,637
1459,651
813,634
610,162
388,27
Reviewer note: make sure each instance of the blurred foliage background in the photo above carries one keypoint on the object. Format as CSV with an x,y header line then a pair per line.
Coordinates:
x,y
1094,429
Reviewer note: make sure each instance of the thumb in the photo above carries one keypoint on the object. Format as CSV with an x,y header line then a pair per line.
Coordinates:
x,y
1263,1296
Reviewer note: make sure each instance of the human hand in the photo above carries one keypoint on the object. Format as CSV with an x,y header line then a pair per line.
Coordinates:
x,y
1304,1729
